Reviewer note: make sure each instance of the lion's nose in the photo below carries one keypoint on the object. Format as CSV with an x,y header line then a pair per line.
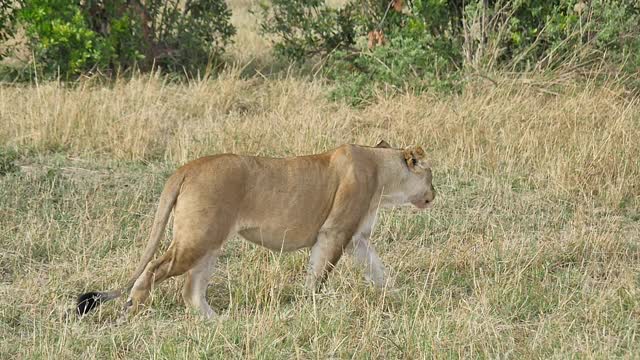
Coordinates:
x,y
431,195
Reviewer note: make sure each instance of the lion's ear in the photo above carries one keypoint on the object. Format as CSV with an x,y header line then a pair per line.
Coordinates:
x,y
415,158
383,144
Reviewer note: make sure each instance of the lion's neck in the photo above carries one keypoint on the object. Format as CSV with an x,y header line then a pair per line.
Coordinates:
x,y
392,173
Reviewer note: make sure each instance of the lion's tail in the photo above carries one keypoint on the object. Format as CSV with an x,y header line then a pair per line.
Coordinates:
x,y
87,301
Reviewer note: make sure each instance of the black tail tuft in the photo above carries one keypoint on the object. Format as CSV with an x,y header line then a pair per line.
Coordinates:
x,y
88,301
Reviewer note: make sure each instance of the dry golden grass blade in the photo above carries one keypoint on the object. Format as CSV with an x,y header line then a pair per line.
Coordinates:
x,y
530,251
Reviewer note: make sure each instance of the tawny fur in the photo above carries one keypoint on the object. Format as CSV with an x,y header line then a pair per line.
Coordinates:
x,y
327,202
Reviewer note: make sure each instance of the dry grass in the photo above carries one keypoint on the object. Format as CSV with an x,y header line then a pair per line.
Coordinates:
x,y
531,250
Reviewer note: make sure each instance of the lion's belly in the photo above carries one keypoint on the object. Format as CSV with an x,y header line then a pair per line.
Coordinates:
x,y
280,239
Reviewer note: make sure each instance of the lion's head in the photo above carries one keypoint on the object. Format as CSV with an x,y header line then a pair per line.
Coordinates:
x,y
414,183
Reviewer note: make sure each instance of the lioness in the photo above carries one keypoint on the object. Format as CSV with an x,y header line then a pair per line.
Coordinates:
x,y
327,202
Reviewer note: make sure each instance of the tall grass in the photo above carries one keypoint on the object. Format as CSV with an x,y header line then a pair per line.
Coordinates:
x,y
531,249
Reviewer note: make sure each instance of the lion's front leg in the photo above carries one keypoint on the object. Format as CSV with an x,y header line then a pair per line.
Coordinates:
x,y
366,256
325,254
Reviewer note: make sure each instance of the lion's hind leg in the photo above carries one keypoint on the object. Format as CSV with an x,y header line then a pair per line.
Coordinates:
x,y
171,263
195,284
193,251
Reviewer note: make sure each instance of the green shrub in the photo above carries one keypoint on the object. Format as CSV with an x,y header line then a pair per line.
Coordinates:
x,y
8,12
73,37
417,55
550,33
430,43
306,28
191,36
61,36
406,64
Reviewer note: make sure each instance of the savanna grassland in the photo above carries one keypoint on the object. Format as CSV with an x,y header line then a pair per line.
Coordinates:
x,y
530,251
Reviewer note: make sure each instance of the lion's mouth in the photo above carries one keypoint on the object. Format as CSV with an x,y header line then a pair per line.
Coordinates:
x,y
422,204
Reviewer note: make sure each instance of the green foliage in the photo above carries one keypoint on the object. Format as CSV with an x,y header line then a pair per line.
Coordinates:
x,y
417,56
8,15
306,28
74,37
406,64
616,28
8,12
431,42
190,36
548,33
61,35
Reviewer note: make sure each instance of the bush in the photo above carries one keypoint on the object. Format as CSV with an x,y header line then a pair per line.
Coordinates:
x,y
429,44
8,12
74,37
188,37
306,28
7,19
547,34
404,65
61,37
414,55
